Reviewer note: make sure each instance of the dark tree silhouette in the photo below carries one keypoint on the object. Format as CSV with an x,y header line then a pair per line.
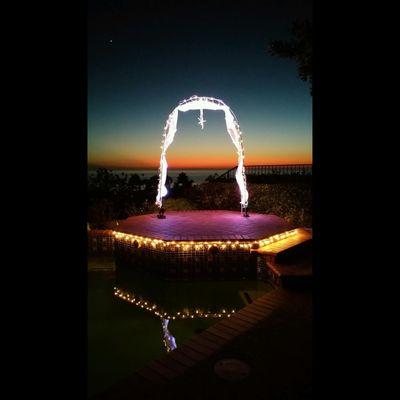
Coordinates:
x,y
168,183
182,184
183,181
151,184
212,178
135,182
298,48
112,196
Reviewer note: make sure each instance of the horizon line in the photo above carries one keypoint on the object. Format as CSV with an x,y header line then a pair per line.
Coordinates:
x,y
111,167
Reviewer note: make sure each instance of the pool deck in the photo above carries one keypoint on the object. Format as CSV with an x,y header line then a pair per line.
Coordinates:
x,y
204,225
272,334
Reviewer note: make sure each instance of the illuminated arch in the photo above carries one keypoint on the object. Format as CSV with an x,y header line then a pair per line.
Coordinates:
x,y
232,125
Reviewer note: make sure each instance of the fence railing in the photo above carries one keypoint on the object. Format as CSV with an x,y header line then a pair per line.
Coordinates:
x,y
268,170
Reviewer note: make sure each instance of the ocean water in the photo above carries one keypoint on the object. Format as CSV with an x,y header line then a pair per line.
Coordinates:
x,y
196,175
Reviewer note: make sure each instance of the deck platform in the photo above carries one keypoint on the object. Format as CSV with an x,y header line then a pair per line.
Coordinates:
x,y
203,244
204,226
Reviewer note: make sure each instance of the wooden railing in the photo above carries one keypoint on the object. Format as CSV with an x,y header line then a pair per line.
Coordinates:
x,y
268,170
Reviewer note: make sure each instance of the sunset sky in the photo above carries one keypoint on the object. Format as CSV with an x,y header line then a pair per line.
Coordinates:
x,y
142,63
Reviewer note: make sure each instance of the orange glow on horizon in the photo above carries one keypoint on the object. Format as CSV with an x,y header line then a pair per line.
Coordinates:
x,y
200,163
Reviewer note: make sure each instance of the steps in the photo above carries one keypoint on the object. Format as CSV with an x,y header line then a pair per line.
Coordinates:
x,y
289,250
213,339
288,262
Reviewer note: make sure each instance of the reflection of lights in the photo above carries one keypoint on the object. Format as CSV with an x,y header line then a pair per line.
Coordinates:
x,y
169,340
198,313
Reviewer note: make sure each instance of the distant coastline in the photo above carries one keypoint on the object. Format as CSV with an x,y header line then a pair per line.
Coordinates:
x,y
195,174
95,167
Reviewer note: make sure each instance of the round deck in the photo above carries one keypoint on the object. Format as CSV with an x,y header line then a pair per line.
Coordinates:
x,y
204,225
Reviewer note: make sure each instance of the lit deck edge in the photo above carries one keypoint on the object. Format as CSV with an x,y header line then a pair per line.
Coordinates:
x,y
194,245
302,235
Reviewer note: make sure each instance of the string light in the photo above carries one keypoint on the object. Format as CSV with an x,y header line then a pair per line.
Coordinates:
x,y
232,126
186,246
197,313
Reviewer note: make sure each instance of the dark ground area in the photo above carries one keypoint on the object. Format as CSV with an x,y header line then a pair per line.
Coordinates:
x,y
278,351
123,338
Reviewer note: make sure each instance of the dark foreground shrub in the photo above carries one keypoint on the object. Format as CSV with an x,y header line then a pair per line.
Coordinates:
x,y
291,201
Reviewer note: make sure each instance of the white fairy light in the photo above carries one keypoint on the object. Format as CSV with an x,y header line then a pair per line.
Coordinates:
x,y
201,119
232,126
